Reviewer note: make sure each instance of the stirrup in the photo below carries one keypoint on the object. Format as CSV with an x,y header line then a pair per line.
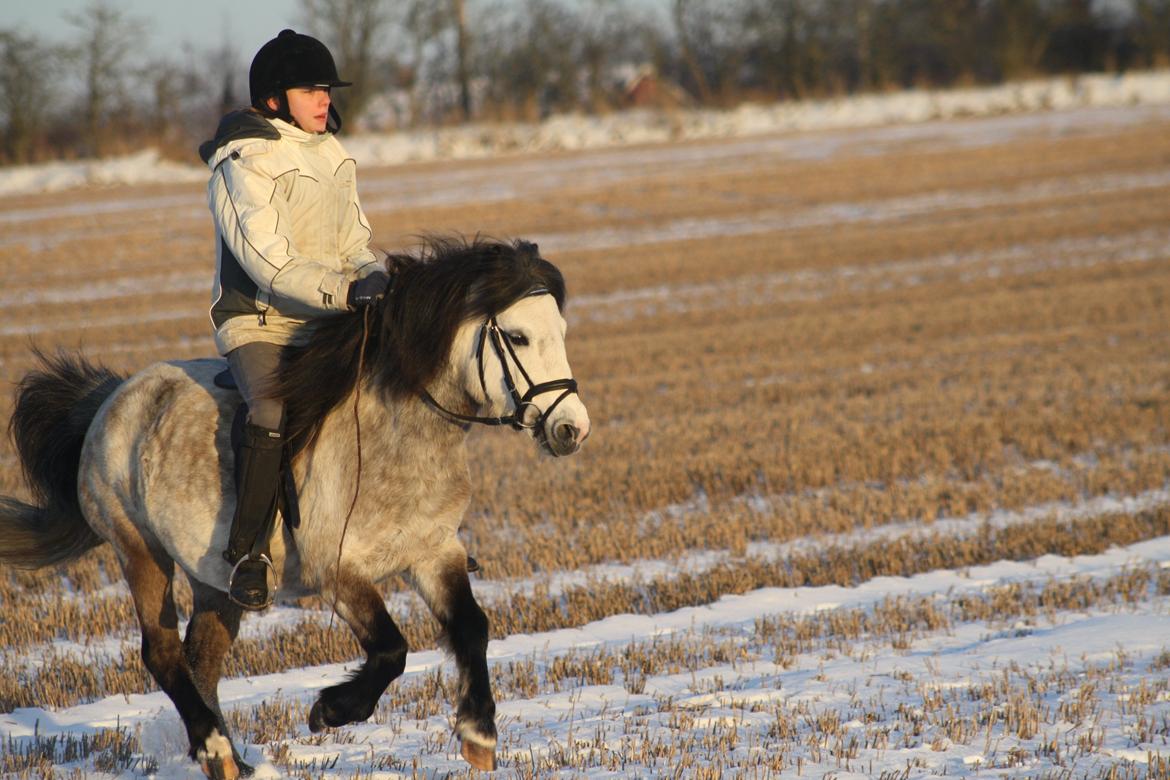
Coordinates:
x,y
262,558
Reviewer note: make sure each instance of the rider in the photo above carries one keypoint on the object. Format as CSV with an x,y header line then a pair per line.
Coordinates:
x,y
292,245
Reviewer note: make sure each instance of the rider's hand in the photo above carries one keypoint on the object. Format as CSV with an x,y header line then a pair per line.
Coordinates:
x,y
367,290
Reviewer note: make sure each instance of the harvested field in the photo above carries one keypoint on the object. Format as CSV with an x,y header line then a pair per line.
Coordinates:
x,y
889,420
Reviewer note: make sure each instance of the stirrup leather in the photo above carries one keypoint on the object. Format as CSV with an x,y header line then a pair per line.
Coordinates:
x,y
263,558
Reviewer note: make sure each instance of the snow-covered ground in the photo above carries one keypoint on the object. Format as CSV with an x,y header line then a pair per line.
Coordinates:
x,y
946,695
1061,95
954,696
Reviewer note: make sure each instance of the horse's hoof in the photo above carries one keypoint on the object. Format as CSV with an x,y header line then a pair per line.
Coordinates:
x,y
216,757
480,757
220,768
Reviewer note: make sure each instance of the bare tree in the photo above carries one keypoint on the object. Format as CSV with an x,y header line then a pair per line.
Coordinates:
x,y
224,70
421,52
356,33
681,13
611,34
1015,34
531,57
107,36
462,74
711,35
27,71
1151,24
782,52
178,98
1078,39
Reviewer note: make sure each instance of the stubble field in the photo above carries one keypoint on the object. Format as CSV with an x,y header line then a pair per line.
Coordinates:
x,y
904,393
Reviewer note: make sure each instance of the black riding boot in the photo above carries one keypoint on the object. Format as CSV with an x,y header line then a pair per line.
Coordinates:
x,y
257,478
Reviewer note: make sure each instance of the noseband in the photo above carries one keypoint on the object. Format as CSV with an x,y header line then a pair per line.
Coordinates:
x,y
490,331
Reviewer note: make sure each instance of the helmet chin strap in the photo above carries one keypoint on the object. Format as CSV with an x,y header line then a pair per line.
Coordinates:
x,y
333,123
282,110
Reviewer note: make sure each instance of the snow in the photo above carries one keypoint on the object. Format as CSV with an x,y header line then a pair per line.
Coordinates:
x,y
960,659
142,168
1062,101
745,696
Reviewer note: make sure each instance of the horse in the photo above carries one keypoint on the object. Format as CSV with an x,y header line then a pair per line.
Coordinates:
x,y
379,404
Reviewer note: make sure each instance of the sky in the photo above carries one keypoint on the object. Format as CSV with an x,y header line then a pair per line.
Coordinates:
x,y
170,24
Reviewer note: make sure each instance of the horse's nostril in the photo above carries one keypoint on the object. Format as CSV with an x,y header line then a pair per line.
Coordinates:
x,y
566,432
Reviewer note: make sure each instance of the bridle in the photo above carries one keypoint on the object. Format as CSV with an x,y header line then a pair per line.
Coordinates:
x,y
490,332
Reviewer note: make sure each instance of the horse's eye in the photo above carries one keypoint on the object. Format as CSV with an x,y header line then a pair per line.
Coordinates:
x,y
518,339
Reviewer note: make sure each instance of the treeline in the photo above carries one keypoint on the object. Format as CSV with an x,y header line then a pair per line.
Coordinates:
x,y
426,62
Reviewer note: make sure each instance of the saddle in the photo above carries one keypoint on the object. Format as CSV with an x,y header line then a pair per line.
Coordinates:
x,y
286,494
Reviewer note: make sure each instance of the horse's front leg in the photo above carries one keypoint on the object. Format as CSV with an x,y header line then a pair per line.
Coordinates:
x,y
443,583
361,606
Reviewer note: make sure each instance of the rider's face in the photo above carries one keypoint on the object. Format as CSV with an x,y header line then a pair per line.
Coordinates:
x,y
309,107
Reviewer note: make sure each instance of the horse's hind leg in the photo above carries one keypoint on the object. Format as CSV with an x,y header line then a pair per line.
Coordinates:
x,y
444,585
150,574
361,606
214,623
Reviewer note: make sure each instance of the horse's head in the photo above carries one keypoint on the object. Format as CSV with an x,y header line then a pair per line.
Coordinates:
x,y
475,325
517,370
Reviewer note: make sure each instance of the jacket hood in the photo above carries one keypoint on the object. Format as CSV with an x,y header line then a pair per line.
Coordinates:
x,y
236,126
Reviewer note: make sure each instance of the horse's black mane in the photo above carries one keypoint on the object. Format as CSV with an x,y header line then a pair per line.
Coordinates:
x,y
446,282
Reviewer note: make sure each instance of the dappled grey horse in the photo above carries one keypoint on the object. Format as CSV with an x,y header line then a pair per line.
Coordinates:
x,y
469,332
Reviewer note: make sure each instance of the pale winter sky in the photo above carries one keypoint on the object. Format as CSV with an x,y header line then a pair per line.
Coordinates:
x,y
170,24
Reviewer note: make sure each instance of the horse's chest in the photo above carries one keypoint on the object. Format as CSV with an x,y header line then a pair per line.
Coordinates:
x,y
392,527
411,500
409,543
427,520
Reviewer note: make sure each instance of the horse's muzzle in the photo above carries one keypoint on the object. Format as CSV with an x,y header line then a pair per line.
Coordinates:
x,y
567,437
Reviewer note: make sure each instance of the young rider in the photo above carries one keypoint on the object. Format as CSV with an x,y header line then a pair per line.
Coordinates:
x,y
292,245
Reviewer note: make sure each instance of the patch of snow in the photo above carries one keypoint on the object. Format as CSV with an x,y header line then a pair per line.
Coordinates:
x,y
144,167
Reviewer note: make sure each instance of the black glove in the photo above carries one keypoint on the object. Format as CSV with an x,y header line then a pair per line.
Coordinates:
x,y
367,290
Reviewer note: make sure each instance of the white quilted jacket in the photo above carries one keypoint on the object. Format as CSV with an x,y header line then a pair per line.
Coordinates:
x,y
290,232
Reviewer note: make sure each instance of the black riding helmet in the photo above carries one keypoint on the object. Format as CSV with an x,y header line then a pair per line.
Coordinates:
x,y
291,59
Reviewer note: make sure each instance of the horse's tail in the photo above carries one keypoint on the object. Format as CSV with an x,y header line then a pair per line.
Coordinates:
x,y
55,405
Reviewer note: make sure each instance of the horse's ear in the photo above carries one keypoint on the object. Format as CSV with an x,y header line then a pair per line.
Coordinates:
x,y
527,248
